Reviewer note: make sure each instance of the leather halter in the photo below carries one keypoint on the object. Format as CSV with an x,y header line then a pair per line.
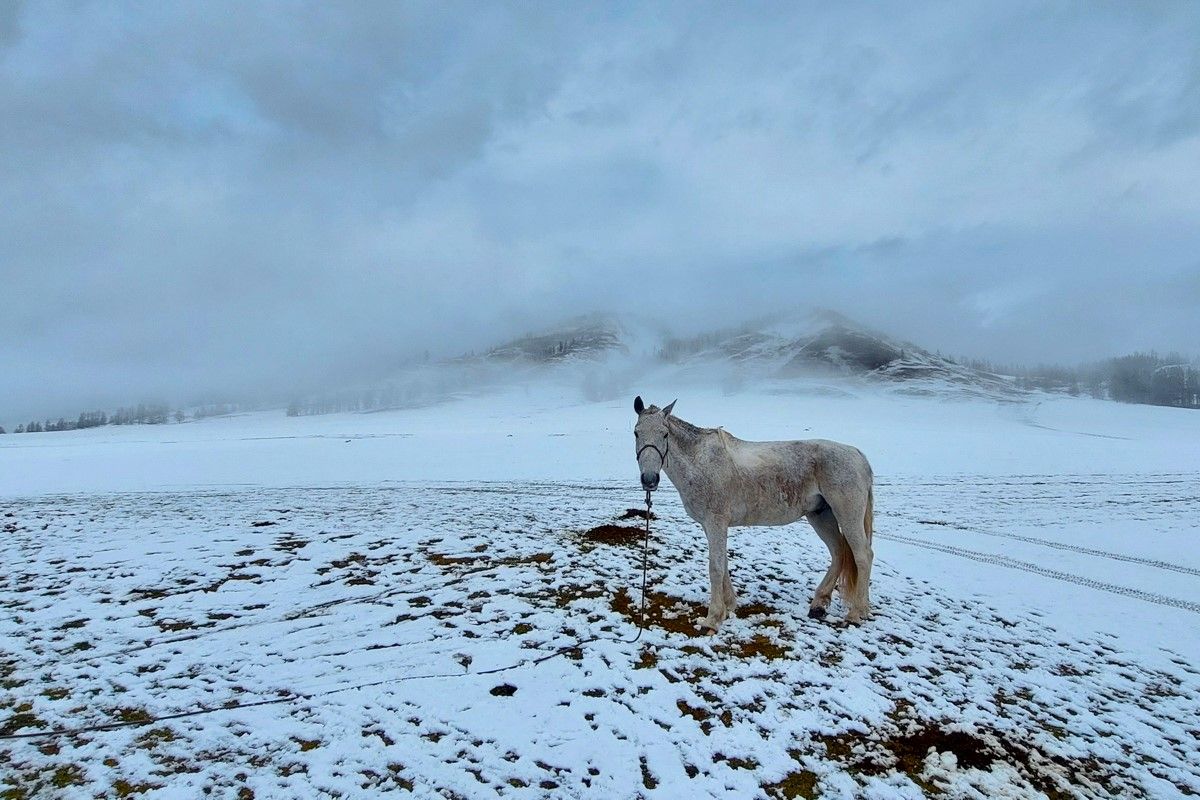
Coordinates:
x,y
662,454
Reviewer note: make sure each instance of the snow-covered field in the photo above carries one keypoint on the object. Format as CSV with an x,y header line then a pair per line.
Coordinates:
x,y
1037,592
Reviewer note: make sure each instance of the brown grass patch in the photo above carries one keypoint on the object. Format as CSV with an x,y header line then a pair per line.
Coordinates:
x,y
23,718
801,783
123,788
698,713
754,610
735,762
534,558
172,626
290,543
906,750
565,595
648,779
134,716
447,562
761,646
663,611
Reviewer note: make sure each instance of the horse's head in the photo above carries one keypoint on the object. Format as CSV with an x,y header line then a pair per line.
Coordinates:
x,y
651,440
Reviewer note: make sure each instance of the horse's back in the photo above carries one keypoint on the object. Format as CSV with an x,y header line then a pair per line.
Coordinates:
x,y
800,458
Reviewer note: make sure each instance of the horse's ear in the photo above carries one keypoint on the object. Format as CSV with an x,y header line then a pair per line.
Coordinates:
x,y
638,405
667,410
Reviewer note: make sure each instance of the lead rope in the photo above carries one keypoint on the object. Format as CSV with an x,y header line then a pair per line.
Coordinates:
x,y
645,569
292,697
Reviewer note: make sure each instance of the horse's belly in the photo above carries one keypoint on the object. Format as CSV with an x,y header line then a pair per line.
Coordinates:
x,y
782,514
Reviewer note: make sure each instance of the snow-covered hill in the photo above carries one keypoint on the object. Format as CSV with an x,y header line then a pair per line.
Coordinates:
x,y
824,343
589,338
602,356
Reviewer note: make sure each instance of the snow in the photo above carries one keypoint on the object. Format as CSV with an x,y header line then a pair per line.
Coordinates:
x,y
1037,591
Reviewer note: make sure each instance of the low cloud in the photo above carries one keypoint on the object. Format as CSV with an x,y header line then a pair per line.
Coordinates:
x,y
230,198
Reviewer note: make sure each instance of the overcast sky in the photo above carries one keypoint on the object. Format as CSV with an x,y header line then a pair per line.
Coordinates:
x,y
231,196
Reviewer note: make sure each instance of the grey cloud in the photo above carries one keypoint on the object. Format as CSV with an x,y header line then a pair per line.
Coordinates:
x,y
244,196
10,21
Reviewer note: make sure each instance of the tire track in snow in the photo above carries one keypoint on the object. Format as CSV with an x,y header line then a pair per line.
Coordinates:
x,y
1025,566
1074,548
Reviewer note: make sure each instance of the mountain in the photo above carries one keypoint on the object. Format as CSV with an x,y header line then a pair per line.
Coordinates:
x,y
588,338
604,356
824,343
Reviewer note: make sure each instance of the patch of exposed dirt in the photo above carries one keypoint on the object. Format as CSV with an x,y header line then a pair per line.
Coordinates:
x,y
637,513
614,534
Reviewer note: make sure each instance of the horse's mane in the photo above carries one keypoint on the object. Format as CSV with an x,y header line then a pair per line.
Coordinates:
x,y
689,428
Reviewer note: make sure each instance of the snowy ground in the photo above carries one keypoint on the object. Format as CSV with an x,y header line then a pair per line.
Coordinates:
x,y
1037,591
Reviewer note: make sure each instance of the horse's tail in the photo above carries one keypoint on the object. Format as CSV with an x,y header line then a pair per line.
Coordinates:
x,y
847,567
848,570
869,516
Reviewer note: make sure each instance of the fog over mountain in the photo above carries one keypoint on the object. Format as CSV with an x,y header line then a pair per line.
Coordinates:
x,y
224,199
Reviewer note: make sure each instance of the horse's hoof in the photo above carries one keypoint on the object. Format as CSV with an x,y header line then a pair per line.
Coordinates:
x,y
816,612
707,627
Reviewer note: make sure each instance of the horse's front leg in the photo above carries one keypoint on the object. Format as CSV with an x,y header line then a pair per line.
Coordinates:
x,y
718,575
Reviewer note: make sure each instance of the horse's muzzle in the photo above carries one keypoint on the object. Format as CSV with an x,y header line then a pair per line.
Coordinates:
x,y
650,481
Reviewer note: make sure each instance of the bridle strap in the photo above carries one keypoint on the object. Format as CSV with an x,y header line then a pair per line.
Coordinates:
x,y
662,454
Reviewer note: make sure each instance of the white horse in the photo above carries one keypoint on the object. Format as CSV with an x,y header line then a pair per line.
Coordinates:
x,y
724,481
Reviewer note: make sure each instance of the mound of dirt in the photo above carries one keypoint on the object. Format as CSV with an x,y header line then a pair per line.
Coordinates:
x,y
614,534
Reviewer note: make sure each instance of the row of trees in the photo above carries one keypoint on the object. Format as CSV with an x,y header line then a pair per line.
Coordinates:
x,y
1170,380
350,400
1146,378
214,410
141,414
88,419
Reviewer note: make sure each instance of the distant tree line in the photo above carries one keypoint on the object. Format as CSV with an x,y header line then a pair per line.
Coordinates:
x,y
1170,380
674,350
141,414
215,410
351,400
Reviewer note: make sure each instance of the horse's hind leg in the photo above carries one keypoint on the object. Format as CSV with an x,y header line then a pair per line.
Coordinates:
x,y
827,528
